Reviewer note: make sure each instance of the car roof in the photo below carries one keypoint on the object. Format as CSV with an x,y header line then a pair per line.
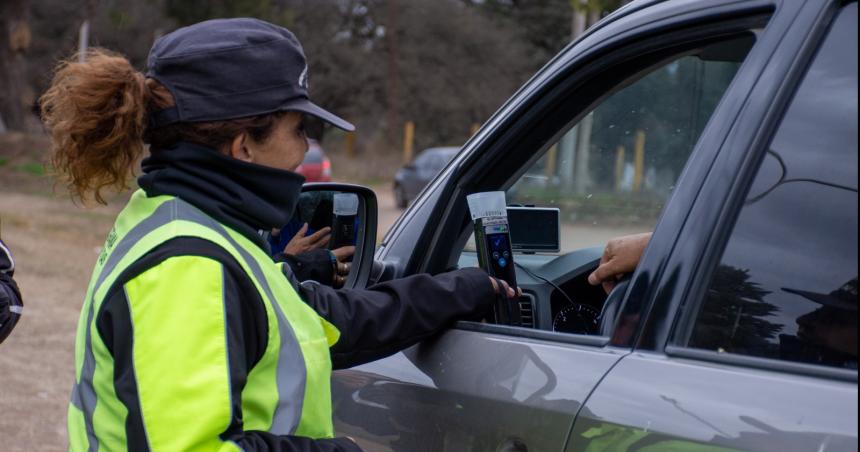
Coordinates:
x,y
447,150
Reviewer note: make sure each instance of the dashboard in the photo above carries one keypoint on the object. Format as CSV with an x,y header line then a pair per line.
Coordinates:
x,y
557,289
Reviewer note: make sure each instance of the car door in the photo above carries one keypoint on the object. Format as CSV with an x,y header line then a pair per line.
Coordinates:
x,y
495,387
752,344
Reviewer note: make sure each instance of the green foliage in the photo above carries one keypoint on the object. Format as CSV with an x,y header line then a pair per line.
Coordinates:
x,y
187,12
601,6
598,208
3,161
36,169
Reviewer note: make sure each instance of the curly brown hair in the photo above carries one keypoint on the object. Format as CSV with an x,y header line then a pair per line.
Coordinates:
x,y
97,113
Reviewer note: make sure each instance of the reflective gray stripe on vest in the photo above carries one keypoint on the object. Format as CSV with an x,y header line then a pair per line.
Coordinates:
x,y
290,372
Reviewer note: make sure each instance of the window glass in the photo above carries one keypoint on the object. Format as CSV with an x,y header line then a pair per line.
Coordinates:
x,y
786,286
612,172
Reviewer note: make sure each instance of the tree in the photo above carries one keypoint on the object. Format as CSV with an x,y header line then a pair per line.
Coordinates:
x,y
16,96
734,316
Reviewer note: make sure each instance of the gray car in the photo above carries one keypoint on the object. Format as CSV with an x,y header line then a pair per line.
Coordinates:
x,y
728,128
414,176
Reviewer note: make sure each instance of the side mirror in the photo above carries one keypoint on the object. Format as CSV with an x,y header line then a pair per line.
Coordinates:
x,y
351,212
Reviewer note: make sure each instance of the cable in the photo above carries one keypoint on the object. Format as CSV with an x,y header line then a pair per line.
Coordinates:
x,y
533,275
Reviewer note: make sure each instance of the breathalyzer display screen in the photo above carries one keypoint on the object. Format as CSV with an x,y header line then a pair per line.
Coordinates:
x,y
499,250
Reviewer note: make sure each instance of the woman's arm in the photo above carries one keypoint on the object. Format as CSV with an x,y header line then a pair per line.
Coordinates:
x,y
390,316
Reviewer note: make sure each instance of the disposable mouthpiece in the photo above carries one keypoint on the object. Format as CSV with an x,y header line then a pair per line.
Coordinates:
x,y
345,204
487,204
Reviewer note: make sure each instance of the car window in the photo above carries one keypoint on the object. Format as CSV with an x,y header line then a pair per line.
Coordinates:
x,y
613,171
786,285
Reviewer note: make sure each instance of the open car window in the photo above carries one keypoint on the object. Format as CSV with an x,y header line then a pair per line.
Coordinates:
x,y
611,173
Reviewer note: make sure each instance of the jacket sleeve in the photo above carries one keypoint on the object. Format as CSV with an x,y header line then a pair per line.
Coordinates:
x,y
390,316
7,263
183,340
316,265
11,303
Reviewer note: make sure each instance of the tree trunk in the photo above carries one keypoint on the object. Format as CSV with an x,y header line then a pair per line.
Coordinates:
x,y
16,96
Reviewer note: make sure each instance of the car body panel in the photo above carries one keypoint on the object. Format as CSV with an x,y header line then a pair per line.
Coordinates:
x,y
665,403
468,390
412,178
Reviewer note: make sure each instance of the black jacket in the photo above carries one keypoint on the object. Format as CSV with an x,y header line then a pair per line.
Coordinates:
x,y
10,297
374,323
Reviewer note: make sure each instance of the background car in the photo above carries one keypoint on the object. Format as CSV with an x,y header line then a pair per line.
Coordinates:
x,y
729,130
316,167
414,176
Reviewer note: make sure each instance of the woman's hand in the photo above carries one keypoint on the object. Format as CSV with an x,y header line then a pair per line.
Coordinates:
x,y
620,256
301,243
505,288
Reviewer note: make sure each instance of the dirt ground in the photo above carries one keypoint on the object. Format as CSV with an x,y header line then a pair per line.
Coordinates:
x,y
55,244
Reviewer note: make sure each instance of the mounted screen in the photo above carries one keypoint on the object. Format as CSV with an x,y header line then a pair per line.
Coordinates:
x,y
534,229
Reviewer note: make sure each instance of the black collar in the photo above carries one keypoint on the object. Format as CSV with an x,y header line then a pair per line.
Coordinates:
x,y
243,196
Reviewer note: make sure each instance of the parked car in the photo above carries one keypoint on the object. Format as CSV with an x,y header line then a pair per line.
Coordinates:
x,y
414,176
729,129
316,167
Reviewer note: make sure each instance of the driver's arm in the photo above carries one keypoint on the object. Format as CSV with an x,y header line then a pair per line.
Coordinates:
x,y
620,256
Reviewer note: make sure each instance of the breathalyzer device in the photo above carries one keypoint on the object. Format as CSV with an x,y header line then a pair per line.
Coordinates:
x,y
343,220
492,234
493,242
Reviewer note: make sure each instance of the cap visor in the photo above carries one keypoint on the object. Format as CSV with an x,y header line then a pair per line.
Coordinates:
x,y
823,299
306,106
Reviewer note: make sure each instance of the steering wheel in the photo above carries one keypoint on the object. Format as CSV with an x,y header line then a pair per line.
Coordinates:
x,y
609,313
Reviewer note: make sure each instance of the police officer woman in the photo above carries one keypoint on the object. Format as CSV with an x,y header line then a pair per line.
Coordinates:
x,y
191,336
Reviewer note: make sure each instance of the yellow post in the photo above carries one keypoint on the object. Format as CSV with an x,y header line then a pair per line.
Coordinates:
x,y
408,138
474,128
619,167
350,144
639,160
551,161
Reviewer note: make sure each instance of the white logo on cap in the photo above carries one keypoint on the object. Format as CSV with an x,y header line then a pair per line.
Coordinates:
x,y
303,78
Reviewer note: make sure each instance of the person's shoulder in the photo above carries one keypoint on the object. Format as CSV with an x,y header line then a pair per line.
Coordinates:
x,y
7,262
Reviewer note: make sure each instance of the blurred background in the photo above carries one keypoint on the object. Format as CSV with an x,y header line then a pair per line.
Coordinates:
x,y
410,74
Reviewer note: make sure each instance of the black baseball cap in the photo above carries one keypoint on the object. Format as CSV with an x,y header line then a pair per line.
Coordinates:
x,y
232,68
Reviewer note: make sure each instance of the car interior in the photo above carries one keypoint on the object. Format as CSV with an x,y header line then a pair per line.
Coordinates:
x,y
607,173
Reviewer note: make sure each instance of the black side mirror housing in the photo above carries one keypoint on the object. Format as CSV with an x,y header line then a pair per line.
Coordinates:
x,y
317,206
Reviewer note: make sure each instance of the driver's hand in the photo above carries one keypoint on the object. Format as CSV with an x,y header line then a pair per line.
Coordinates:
x,y
505,288
301,243
620,256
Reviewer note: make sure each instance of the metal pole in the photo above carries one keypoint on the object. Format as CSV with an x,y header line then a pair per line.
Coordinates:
x,y
639,160
393,71
619,167
408,139
83,41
